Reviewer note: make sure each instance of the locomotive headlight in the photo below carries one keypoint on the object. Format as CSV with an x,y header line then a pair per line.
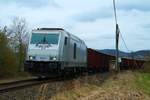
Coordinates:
x,y
30,57
54,58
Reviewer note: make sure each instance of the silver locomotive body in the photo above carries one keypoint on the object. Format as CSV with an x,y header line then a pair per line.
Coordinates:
x,y
53,50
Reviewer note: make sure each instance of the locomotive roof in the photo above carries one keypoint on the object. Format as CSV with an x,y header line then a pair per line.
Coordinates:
x,y
58,29
50,29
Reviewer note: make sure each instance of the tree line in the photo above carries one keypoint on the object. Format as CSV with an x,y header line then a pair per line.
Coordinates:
x,y
13,41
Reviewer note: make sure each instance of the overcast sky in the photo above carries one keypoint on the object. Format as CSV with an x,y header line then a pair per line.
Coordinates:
x,y
91,20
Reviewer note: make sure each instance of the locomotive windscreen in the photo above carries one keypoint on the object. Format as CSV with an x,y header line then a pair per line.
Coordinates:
x,y
38,38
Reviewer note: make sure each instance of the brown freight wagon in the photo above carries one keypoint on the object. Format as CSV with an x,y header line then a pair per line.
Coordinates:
x,y
128,63
98,61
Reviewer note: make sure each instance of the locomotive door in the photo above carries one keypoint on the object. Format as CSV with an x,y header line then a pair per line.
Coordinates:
x,y
66,51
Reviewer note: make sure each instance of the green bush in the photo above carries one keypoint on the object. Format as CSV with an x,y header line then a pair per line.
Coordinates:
x,y
143,81
146,67
8,61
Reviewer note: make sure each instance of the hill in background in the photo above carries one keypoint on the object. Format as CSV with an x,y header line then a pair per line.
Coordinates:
x,y
137,54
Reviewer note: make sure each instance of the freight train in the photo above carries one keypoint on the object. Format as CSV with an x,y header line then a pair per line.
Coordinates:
x,y
55,51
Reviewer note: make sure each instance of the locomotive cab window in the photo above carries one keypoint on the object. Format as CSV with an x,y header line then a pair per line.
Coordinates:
x,y
74,53
41,38
65,41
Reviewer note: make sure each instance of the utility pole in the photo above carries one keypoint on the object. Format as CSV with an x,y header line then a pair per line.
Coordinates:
x,y
132,57
117,48
117,39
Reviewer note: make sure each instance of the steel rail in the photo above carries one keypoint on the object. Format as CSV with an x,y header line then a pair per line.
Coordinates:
x,y
11,86
16,85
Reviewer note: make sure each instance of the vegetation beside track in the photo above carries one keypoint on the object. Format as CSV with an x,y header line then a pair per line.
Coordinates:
x,y
143,82
146,66
124,86
143,78
107,86
9,59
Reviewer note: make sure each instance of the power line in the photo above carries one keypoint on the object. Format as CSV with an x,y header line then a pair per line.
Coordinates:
x,y
131,52
125,43
117,40
115,13
117,37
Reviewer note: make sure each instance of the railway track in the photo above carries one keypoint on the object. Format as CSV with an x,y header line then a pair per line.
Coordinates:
x,y
12,86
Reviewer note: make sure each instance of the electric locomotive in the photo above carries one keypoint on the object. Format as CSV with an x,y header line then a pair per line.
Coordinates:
x,y
54,51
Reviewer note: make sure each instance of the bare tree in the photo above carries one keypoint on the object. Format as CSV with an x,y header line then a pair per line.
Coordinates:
x,y
18,33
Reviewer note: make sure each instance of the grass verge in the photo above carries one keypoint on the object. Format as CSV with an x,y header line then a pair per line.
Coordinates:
x,y
126,85
143,82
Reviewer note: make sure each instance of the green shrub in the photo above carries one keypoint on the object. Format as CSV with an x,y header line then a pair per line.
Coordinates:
x,y
143,81
146,67
8,61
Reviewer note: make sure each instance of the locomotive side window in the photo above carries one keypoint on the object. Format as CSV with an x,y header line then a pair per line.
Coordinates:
x,y
74,53
65,40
